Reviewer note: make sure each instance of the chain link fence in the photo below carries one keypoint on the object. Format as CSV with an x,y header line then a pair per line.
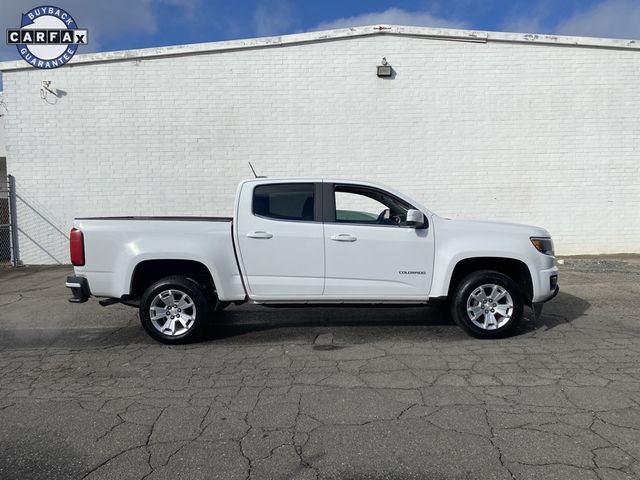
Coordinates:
x,y
43,238
8,232
29,232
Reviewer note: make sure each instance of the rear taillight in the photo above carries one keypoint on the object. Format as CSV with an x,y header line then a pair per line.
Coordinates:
x,y
76,247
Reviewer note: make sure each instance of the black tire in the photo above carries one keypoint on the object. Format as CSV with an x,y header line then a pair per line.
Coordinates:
x,y
471,284
200,310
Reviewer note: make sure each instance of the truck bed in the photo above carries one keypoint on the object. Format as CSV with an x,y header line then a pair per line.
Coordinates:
x,y
169,219
115,246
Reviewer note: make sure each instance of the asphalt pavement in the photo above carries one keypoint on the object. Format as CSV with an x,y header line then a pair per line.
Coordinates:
x,y
353,393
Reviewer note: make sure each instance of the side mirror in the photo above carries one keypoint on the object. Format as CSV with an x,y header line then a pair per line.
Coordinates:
x,y
416,219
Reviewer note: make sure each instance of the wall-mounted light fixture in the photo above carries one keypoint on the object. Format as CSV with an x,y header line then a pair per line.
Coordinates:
x,y
47,88
385,69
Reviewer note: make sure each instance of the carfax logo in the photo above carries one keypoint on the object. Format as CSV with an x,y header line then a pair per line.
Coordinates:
x,y
48,37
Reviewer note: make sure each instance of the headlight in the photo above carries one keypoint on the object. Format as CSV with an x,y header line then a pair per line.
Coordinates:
x,y
543,245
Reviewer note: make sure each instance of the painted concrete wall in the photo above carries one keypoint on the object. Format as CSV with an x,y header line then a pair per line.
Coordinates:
x,y
539,134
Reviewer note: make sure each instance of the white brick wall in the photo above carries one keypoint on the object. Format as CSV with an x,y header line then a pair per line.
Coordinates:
x,y
539,134
3,112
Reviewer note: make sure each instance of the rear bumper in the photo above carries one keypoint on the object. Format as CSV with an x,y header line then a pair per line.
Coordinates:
x,y
79,289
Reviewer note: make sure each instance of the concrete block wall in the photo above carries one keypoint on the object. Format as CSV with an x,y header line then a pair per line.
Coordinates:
x,y
538,134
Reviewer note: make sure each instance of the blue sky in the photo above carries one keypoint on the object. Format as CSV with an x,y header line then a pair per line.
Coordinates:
x,y
128,24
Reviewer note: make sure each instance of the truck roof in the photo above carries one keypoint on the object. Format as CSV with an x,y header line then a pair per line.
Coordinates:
x,y
313,179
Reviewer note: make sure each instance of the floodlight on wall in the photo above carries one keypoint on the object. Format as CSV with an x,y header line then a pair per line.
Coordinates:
x,y
385,69
46,87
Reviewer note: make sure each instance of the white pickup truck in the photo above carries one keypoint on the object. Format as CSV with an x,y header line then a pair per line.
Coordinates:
x,y
311,241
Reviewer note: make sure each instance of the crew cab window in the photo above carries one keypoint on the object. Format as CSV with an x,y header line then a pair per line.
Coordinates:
x,y
369,206
285,201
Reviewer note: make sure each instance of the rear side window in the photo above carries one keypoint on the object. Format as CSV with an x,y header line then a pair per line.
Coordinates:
x,y
285,201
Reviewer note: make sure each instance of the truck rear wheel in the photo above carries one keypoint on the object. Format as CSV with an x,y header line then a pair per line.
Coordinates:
x,y
487,304
174,310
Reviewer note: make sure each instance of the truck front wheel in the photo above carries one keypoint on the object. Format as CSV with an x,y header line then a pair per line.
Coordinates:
x,y
487,304
174,310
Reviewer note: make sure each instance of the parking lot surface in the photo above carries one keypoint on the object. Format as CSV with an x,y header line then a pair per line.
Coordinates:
x,y
354,393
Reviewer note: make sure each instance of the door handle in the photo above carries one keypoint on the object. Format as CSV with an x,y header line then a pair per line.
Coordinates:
x,y
265,235
343,237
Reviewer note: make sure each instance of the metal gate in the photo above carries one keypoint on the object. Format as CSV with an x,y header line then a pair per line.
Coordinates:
x,y
9,251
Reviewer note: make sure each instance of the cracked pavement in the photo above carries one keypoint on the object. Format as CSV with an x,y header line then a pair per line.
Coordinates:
x,y
322,393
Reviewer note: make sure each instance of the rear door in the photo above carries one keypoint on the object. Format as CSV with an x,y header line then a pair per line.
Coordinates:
x,y
371,254
280,239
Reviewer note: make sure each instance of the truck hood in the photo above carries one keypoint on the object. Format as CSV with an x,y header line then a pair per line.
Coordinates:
x,y
490,227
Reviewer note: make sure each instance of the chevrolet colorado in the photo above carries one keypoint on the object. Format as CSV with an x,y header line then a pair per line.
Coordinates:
x,y
310,241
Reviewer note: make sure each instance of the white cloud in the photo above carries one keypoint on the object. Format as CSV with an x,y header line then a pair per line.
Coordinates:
x,y
532,17
529,24
273,19
392,16
188,8
610,18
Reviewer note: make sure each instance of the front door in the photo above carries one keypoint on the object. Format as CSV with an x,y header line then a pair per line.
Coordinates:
x,y
371,254
280,238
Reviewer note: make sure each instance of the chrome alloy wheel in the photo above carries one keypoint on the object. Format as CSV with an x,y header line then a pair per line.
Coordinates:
x,y
490,306
172,312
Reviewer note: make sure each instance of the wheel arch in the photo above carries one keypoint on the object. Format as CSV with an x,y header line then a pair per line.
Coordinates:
x,y
514,268
147,272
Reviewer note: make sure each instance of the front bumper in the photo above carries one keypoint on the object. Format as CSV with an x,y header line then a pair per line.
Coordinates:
x,y
553,295
79,289
537,306
545,283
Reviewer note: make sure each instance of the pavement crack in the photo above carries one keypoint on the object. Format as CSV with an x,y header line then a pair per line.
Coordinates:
x,y
495,446
111,458
113,427
245,455
153,426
